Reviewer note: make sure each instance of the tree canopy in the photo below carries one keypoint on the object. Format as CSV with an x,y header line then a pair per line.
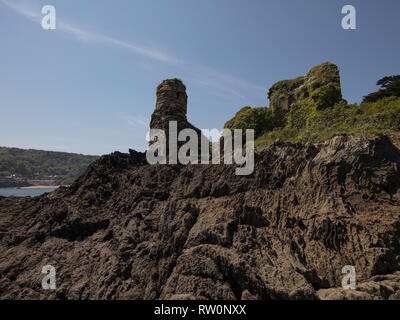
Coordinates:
x,y
62,167
390,86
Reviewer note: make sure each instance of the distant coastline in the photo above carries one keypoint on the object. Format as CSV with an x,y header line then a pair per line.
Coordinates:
x,y
20,168
32,191
40,187
29,187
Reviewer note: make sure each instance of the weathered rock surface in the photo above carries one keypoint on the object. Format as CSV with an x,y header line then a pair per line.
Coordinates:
x,y
379,287
129,230
171,105
321,80
317,90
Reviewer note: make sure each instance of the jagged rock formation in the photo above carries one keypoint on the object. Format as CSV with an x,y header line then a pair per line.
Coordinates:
x,y
171,105
129,230
378,287
321,83
318,90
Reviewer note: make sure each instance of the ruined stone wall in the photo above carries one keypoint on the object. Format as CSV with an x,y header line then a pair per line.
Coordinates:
x,y
283,94
171,105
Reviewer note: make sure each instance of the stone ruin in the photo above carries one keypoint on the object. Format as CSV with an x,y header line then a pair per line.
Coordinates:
x,y
171,105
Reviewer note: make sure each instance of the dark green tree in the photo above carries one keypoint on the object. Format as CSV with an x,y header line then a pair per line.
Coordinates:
x,y
390,86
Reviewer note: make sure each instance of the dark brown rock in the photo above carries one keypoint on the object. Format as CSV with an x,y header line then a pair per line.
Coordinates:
x,y
171,105
129,230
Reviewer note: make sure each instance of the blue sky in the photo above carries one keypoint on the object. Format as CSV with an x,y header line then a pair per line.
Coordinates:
x,y
89,86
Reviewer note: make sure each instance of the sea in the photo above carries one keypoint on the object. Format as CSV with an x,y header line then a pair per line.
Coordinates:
x,y
23,192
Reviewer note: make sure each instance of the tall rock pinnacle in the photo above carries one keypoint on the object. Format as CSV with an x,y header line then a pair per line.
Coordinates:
x,y
171,105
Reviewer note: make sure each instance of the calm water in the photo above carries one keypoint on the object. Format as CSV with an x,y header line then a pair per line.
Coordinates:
x,y
23,192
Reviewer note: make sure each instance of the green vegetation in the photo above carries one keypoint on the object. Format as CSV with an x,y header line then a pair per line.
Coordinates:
x,y
390,86
18,166
306,123
321,83
326,96
311,108
322,74
258,118
171,82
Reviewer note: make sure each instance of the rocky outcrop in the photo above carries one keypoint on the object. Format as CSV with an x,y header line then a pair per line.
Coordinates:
x,y
321,80
126,229
129,230
171,105
318,90
381,287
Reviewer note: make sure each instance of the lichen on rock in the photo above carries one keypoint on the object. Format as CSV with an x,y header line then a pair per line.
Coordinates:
x,y
291,101
322,84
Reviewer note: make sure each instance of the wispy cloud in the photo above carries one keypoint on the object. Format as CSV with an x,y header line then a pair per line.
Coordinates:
x,y
225,83
22,9
100,38
136,120
87,36
133,119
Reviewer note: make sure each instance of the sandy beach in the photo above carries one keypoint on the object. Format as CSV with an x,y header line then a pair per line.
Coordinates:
x,y
40,187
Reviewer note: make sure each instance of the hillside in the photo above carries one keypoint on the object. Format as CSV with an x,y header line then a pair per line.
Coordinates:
x,y
19,167
311,108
